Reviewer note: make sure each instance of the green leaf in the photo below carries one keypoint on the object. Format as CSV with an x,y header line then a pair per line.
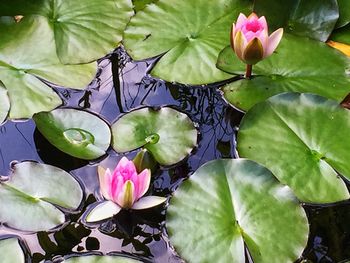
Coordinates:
x,y
30,196
75,132
227,204
25,57
81,31
11,251
344,13
100,259
299,64
168,134
190,33
4,103
141,4
303,139
310,18
342,35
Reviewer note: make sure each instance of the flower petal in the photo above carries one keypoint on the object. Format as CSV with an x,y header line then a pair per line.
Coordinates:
x,y
263,23
252,16
239,44
240,21
126,197
101,211
148,201
144,179
104,179
273,42
254,52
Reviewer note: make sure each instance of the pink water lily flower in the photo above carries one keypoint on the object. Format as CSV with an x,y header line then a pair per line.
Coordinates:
x,y
250,40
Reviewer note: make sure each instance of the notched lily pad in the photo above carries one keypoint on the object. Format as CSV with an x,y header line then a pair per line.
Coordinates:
x,y
32,195
229,204
167,133
75,132
11,250
303,139
100,259
190,33
300,64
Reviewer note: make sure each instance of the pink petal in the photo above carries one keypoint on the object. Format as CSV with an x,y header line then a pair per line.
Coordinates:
x,y
104,178
273,42
126,197
144,179
232,36
263,23
252,16
241,20
264,39
239,44
116,187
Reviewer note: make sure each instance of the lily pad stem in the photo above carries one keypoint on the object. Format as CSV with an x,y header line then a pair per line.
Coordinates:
x,y
248,72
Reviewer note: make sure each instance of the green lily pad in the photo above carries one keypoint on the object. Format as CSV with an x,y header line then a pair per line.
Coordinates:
x,y
30,197
25,58
300,64
168,134
141,4
344,13
4,103
342,35
75,132
303,139
11,251
100,259
227,204
310,18
191,33
81,31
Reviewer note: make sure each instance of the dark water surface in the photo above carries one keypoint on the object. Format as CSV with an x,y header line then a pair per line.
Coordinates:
x,y
120,86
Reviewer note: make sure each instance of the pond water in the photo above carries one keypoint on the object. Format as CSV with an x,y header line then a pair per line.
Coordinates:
x,y
120,86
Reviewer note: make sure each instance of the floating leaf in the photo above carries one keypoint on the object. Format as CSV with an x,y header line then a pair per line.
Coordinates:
x,y
30,196
25,58
300,64
310,18
344,13
80,31
293,135
342,35
11,251
191,33
100,259
141,4
168,134
75,132
4,103
227,204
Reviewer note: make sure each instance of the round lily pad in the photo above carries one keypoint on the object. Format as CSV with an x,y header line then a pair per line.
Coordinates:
x,y
167,133
344,13
78,133
101,259
11,251
4,103
303,139
29,199
300,64
191,33
228,205
26,57
81,31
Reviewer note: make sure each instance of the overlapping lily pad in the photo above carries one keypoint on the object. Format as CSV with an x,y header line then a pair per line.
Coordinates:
x,y
75,132
32,195
4,103
191,33
311,18
168,134
101,259
300,64
11,251
344,13
342,35
303,139
25,57
80,31
227,204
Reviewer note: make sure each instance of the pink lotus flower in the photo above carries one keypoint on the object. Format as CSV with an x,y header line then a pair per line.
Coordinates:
x,y
250,40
